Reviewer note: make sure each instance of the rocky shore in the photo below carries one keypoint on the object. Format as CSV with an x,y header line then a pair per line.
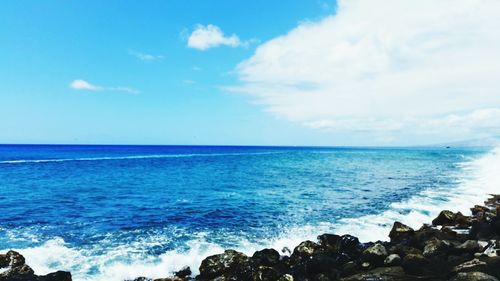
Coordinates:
x,y
454,247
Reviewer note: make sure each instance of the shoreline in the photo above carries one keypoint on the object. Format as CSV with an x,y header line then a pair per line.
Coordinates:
x,y
454,247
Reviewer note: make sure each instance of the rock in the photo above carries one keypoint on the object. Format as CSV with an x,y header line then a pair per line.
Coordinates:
x,y
286,277
265,273
444,218
400,232
56,276
414,264
330,242
222,264
4,261
395,273
392,260
375,254
266,257
15,259
473,276
19,273
184,272
435,247
403,250
350,247
470,266
306,248
469,246
323,264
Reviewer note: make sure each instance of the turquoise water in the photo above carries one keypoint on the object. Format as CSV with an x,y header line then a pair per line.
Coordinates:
x,y
138,210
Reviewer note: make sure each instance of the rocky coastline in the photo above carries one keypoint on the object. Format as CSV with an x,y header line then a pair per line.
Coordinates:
x,y
454,247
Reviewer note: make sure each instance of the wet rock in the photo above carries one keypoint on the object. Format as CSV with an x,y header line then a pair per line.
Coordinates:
x,y
350,268
56,276
350,247
470,266
15,259
414,264
286,277
330,242
444,218
4,261
435,247
184,272
265,273
21,272
469,246
400,232
375,254
222,264
266,257
306,248
395,273
473,276
392,260
323,264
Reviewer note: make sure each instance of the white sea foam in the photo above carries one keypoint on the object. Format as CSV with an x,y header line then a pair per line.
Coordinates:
x,y
478,178
152,156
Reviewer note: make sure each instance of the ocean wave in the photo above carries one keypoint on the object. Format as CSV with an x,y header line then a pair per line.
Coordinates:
x,y
477,178
152,156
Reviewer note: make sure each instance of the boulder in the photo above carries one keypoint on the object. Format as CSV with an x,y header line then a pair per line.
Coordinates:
x,y
395,273
401,232
444,218
414,264
265,273
56,276
330,242
473,276
286,277
375,254
469,246
392,260
266,257
435,247
226,263
470,266
184,272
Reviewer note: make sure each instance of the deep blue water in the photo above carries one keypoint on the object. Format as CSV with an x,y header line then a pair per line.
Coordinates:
x,y
152,200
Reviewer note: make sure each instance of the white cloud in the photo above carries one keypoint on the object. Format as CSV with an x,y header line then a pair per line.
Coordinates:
x,y
385,66
210,36
84,85
144,56
80,84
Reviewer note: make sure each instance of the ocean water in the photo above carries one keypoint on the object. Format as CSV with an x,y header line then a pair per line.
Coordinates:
x,y
118,212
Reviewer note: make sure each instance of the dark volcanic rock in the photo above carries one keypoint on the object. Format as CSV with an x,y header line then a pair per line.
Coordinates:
x,y
381,274
444,218
56,276
401,232
229,263
266,257
184,272
375,254
474,276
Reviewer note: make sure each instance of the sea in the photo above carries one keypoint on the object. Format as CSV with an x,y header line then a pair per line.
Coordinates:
x,y
119,212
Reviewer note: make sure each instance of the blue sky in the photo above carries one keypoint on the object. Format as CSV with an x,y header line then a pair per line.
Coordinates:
x,y
132,72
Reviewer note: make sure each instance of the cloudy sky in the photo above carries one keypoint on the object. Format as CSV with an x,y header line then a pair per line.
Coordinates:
x,y
352,72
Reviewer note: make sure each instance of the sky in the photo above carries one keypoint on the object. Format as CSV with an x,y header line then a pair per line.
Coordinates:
x,y
267,72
